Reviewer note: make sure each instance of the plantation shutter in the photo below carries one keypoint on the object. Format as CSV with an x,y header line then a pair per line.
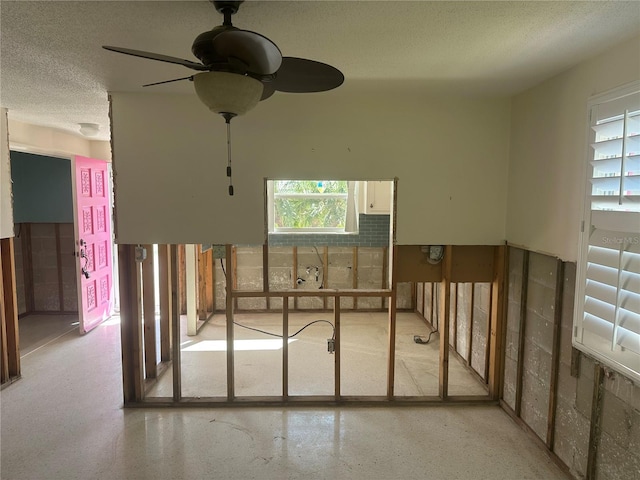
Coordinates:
x,y
607,320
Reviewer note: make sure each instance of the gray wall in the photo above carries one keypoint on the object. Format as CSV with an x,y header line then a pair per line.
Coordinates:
x,y
618,453
41,189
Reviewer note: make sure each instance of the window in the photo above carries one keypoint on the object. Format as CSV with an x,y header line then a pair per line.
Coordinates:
x,y
324,206
607,315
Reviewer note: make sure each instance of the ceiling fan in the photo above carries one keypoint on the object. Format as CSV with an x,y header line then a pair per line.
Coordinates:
x,y
238,68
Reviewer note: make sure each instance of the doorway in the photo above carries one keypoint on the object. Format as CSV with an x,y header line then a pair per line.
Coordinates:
x,y
47,263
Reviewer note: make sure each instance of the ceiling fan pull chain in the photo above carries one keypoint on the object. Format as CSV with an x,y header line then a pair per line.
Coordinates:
x,y
228,121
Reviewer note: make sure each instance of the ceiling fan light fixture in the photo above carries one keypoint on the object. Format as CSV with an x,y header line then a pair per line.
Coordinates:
x,y
89,129
224,92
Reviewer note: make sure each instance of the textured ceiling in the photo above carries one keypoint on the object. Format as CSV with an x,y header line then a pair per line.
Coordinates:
x,y
53,71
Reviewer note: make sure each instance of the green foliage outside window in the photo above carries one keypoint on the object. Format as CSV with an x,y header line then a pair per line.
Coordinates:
x,y
310,204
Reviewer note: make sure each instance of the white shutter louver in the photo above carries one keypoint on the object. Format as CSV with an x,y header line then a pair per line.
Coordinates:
x,y
607,318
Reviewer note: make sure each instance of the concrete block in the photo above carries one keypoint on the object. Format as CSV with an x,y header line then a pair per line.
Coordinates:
x,y
482,297
539,330
571,438
541,300
542,269
567,385
46,298
535,404
615,463
623,388
617,419
510,374
584,394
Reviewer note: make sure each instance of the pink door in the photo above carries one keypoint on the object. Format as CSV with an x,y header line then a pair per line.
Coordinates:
x,y
93,241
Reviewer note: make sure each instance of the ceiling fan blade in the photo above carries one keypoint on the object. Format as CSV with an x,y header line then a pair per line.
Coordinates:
x,y
299,75
190,77
269,89
261,55
157,56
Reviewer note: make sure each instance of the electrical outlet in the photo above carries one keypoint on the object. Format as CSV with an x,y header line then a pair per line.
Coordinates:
x,y
331,345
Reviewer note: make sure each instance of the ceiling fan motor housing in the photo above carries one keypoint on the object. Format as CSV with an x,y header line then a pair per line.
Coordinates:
x,y
203,48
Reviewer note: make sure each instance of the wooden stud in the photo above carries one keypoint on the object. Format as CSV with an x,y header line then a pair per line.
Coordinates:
x,y
294,277
596,419
213,283
354,272
336,353
9,287
166,306
130,324
487,349
182,279
555,354
575,362
385,272
234,274
174,274
149,313
454,320
229,313
208,281
325,273
191,287
472,305
443,323
202,283
59,268
265,273
4,344
521,331
285,347
498,316
391,351
414,296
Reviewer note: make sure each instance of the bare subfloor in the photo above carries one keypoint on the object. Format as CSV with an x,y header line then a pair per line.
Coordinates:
x,y
64,420
364,339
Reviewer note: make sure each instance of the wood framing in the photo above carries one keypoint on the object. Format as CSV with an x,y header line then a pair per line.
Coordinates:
x,y
285,347
555,354
596,420
149,313
130,324
521,331
229,325
470,331
445,299
134,335
336,353
498,288
166,304
391,351
10,304
174,275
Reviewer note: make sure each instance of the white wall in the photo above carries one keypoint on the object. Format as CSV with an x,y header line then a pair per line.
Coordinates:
x,y
48,141
449,153
6,203
549,151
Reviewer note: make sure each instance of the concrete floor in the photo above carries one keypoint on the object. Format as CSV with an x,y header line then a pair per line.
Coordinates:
x,y
64,420
364,340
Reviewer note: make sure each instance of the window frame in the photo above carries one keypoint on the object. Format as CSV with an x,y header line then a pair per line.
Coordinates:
x,y
606,233
272,196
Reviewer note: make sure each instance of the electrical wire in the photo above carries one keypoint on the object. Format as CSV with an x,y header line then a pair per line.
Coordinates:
x,y
333,336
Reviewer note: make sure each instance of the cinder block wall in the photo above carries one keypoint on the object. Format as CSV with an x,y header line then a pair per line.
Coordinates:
x,y
565,429
45,268
468,319
302,267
